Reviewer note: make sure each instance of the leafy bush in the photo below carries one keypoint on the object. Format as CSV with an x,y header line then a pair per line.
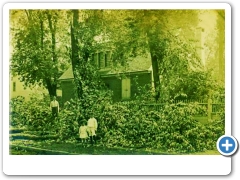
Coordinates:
x,y
172,129
17,112
68,121
34,114
75,111
130,125
93,96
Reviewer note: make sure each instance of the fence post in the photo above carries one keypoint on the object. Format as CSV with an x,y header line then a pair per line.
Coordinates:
x,y
209,109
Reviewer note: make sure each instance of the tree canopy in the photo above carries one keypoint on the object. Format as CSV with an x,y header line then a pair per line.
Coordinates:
x,y
39,54
46,41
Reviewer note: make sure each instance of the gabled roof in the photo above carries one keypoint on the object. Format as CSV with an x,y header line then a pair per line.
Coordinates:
x,y
68,74
136,64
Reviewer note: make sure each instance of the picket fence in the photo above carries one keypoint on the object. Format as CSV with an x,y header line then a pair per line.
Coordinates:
x,y
213,107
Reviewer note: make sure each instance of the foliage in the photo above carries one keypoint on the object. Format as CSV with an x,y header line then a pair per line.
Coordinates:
x,y
34,114
169,46
94,98
17,112
194,85
176,66
42,42
172,37
172,129
38,55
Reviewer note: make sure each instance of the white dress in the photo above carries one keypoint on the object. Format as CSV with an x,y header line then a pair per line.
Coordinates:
x,y
83,132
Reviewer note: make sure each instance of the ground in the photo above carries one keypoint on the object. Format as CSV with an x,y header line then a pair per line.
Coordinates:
x,y
51,147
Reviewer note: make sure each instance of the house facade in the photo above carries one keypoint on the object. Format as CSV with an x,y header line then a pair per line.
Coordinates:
x,y
17,88
123,81
125,86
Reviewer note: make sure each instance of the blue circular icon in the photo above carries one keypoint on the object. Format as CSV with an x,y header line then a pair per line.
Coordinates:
x,y
227,145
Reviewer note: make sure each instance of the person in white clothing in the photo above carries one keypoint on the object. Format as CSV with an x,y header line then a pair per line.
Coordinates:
x,y
83,134
92,128
54,106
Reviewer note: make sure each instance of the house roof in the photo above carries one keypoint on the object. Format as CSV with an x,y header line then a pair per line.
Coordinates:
x,y
68,74
136,64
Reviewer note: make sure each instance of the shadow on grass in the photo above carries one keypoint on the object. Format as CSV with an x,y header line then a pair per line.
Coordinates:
x,y
75,149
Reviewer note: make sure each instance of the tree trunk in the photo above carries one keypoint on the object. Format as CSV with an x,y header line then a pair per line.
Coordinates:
x,y
75,53
156,57
52,85
52,88
53,36
155,69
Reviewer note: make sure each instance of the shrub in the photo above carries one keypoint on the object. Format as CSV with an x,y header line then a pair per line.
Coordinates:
x,y
75,111
172,129
125,124
34,114
17,111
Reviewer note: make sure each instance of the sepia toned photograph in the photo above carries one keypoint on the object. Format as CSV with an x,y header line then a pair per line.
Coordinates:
x,y
116,81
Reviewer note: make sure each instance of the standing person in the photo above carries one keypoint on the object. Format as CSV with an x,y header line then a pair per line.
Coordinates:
x,y
92,128
54,106
83,132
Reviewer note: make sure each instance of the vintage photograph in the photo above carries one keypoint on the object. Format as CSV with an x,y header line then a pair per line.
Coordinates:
x,y
116,81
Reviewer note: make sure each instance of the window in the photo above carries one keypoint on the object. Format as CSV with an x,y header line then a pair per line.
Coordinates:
x,y
14,86
101,59
106,60
95,59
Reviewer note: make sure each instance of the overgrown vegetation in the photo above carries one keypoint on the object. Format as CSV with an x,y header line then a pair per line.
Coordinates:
x,y
45,43
172,129
33,114
125,124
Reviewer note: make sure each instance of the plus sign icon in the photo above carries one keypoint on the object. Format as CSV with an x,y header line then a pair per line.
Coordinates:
x,y
227,145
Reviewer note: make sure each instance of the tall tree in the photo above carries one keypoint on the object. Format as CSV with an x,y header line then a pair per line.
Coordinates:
x,y
85,26
172,38
75,59
168,34
37,57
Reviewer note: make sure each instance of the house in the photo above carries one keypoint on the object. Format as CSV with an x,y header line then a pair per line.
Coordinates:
x,y
17,88
124,81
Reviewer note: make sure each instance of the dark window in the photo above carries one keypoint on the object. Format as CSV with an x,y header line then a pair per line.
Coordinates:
x,y
99,60
102,60
92,58
106,60
95,57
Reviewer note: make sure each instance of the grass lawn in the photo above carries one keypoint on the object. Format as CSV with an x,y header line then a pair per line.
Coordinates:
x,y
59,148
208,152
50,147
